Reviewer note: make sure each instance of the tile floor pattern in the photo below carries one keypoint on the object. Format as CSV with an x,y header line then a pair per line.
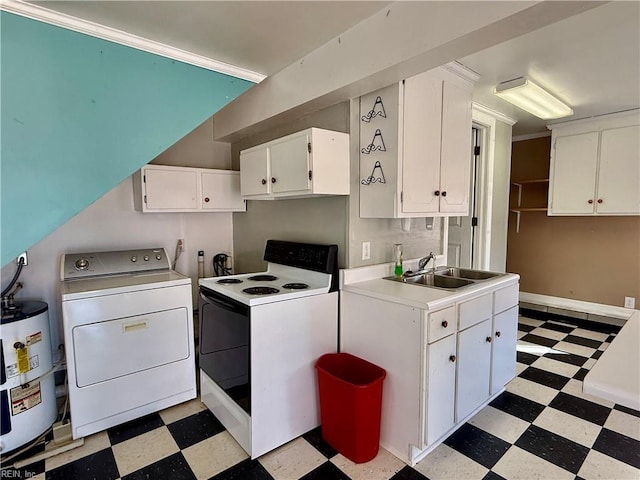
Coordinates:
x,y
541,427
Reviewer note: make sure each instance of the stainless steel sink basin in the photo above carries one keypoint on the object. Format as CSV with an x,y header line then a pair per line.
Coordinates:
x,y
448,278
431,280
466,273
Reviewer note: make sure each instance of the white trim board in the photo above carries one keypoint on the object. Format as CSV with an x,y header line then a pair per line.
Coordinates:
x,y
589,308
41,14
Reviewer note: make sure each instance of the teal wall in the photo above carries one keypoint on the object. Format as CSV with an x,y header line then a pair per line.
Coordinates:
x,y
79,115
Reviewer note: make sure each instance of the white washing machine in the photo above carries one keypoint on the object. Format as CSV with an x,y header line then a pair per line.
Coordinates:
x,y
129,340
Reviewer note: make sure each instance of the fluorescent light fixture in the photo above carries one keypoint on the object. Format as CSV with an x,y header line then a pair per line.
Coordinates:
x,y
525,94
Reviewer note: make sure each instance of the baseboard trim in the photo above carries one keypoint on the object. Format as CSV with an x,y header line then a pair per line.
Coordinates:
x,y
577,309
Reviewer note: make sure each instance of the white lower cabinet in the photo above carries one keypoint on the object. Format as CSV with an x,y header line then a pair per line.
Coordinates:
x,y
443,365
503,352
474,368
440,397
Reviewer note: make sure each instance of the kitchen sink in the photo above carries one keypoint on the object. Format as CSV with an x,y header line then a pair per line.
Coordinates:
x,y
448,278
466,273
431,280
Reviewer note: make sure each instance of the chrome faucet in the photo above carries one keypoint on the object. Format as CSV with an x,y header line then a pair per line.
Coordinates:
x,y
422,263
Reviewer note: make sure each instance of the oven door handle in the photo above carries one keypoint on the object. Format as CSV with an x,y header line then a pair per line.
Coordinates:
x,y
233,307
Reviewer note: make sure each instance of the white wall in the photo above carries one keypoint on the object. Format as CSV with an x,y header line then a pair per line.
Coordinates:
x,y
111,223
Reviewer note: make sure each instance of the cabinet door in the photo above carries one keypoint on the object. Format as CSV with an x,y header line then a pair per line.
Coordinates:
x,y
254,172
474,364
170,189
455,161
573,174
421,143
619,171
290,166
503,353
221,191
441,385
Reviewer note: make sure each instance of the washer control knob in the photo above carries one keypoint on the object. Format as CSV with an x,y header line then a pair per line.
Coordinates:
x,y
82,264
134,258
146,258
158,257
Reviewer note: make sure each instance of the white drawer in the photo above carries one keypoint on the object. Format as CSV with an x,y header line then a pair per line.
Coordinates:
x,y
474,311
441,323
505,298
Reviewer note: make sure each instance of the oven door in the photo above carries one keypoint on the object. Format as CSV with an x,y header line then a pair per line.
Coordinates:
x,y
224,344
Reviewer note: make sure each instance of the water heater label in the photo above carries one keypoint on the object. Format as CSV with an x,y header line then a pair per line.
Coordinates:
x,y
12,370
25,397
34,338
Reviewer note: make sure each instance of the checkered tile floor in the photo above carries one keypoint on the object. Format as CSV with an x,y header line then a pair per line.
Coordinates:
x,y
542,427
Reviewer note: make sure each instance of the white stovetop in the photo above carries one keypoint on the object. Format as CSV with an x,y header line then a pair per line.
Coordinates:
x,y
370,281
318,283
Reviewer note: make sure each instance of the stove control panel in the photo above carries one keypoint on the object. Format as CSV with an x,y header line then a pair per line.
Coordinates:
x,y
96,264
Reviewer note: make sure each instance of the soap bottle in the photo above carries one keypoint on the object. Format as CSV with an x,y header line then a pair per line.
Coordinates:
x,y
397,256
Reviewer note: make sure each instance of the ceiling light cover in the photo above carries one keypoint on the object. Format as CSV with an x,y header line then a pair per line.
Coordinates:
x,y
525,94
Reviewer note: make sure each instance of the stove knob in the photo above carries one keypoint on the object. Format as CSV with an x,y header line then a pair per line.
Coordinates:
x,y
146,258
158,257
134,258
82,264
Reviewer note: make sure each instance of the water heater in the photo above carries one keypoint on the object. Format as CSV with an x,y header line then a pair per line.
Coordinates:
x,y
27,394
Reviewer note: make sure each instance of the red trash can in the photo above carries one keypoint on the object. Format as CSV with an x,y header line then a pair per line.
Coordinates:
x,y
350,403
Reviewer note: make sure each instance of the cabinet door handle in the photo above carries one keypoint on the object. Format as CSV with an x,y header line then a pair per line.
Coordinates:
x,y
264,181
488,339
273,179
437,193
206,199
498,334
452,358
590,201
600,200
444,193
445,324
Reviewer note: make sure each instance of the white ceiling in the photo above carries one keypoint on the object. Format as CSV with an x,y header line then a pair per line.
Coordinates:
x,y
591,60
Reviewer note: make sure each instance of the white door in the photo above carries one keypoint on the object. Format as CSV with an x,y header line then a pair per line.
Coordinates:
x,y
422,104
474,364
254,172
441,388
573,174
170,189
462,230
619,171
503,354
290,165
455,150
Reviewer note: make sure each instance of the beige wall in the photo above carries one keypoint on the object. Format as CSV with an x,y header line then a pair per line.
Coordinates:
x,y
593,259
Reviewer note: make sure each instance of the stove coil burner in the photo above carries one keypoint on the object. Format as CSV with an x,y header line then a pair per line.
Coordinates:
x,y
295,286
229,281
263,278
260,290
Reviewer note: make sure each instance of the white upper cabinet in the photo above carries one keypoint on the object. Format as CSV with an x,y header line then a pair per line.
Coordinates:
x,y
312,162
161,188
415,146
595,166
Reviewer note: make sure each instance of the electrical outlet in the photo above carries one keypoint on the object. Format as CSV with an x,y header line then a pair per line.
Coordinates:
x,y
366,250
181,246
23,255
629,302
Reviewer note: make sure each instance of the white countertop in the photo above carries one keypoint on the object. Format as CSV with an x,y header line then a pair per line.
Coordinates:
x,y
616,374
428,298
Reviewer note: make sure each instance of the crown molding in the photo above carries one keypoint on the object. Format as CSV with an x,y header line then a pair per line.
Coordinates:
x,y
494,113
41,14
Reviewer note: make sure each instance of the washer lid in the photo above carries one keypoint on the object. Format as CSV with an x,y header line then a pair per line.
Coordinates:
x,y
23,310
110,285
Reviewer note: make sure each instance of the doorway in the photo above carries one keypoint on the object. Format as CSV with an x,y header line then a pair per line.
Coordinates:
x,y
462,242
